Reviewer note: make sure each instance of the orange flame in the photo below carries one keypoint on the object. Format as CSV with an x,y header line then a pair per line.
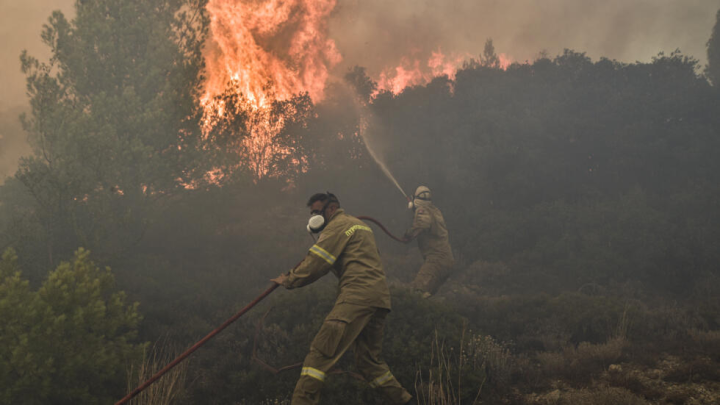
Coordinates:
x,y
265,51
273,50
505,61
411,73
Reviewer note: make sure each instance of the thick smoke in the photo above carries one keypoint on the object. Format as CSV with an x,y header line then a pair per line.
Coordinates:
x,y
20,27
12,141
377,33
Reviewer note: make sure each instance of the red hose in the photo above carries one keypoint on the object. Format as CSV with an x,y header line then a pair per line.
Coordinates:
x,y
376,222
196,346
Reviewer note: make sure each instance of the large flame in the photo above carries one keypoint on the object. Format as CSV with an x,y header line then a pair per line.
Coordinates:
x,y
273,50
266,51
262,54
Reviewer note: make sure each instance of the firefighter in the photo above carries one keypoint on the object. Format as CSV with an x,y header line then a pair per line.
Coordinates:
x,y
432,236
346,247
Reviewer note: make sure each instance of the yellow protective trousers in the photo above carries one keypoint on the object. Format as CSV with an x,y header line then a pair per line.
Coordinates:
x,y
348,326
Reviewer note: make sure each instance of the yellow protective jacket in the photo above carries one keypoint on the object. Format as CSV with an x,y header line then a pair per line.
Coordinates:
x,y
431,232
347,248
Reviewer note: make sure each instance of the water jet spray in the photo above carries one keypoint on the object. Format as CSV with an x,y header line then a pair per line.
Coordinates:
x,y
363,129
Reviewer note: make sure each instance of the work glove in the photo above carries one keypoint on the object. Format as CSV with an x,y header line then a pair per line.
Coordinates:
x,y
281,279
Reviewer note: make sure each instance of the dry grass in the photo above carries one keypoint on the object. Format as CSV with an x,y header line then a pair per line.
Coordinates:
x,y
603,396
705,341
438,389
494,359
597,396
640,384
445,383
603,354
583,361
166,389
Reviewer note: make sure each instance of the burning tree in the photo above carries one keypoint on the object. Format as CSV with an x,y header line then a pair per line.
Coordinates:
x,y
267,62
246,138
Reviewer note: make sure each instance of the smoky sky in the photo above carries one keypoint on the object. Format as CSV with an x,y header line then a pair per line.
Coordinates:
x,y
20,27
378,33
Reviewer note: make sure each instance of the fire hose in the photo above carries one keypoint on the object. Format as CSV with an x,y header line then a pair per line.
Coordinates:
x,y
196,346
227,323
376,222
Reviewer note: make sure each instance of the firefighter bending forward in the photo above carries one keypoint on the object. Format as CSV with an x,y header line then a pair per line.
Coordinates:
x,y
431,232
347,248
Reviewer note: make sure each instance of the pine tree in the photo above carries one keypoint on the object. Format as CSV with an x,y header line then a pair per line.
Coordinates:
x,y
67,342
712,71
114,126
489,57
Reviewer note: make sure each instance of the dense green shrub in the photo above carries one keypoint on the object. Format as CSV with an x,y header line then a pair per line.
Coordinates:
x,y
67,342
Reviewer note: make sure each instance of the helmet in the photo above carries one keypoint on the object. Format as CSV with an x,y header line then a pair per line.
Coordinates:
x,y
423,193
421,197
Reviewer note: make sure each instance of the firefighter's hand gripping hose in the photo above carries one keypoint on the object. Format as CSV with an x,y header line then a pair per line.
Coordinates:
x,y
196,346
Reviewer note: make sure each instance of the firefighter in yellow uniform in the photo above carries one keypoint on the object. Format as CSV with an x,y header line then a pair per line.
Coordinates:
x,y
431,232
347,248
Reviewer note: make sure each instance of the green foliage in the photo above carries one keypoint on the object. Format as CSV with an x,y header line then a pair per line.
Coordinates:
x,y
114,125
67,342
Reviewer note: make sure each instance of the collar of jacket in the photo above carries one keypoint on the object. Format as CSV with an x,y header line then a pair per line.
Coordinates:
x,y
336,213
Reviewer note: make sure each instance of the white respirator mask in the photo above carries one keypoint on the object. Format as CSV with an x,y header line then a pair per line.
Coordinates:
x,y
316,223
413,205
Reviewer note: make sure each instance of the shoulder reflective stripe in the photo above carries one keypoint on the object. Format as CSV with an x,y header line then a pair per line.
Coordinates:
x,y
314,373
323,254
381,380
354,228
